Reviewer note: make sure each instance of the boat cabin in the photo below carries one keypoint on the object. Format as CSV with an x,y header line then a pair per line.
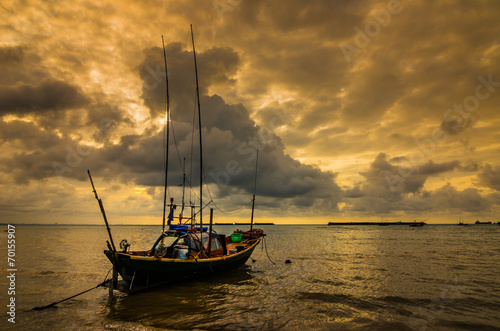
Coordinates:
x,y
185,245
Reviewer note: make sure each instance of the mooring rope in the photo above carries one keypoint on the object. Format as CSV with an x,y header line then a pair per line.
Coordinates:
x,y
265,245
104,283
71,297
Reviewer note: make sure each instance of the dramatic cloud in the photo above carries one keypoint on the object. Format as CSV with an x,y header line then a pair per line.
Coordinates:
x,y
490,177
390,187
325,90
54,95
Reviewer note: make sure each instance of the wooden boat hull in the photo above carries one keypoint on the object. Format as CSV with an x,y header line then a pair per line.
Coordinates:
x,y
141,272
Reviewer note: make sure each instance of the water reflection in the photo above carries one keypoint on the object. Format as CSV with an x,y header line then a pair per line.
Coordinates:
x,y
340,278
188,305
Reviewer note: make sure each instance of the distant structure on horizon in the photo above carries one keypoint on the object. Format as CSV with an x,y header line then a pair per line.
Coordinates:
x,y
243,223
378,223
477,222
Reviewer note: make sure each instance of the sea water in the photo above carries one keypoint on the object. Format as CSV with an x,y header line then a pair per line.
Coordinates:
x,y
437,277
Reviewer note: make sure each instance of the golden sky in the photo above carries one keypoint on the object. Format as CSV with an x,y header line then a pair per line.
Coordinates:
x,y
361,110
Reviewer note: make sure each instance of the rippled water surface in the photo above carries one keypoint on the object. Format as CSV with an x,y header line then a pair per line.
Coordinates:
x,y
341,278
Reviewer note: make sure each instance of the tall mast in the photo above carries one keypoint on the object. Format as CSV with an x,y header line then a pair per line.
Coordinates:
x,y
254,189
167,110
183,189
199,125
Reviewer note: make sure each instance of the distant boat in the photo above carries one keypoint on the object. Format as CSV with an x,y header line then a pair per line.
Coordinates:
x,y
182,251
416,224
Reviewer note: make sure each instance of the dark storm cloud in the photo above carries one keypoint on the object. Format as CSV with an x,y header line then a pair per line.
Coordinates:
x,y
354,192
230,137
36,150
489,176
11,54
401,180
26,136
431,168
288,16
387,187
48,95
456,124
449,198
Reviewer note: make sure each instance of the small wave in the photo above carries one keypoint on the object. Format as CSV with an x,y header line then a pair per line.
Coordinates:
x,y
460,325
396,299
324,297
327,282
477,303
339,298
49,273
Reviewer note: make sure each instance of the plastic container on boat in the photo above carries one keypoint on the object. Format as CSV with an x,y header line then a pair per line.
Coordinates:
x,y
235,237
178,227
232,251
181,252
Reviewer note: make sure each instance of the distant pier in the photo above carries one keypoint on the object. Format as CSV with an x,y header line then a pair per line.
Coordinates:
x,y
378,223
254,223
243,223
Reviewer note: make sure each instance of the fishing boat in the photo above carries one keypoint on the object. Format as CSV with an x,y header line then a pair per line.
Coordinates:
x,y
181,251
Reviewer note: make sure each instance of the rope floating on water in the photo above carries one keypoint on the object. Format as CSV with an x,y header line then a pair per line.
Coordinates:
x,y
265,245
71,297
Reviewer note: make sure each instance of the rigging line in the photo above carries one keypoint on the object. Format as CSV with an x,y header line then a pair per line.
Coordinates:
x,y
175,143
213,201
203,207
234,211
191,190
